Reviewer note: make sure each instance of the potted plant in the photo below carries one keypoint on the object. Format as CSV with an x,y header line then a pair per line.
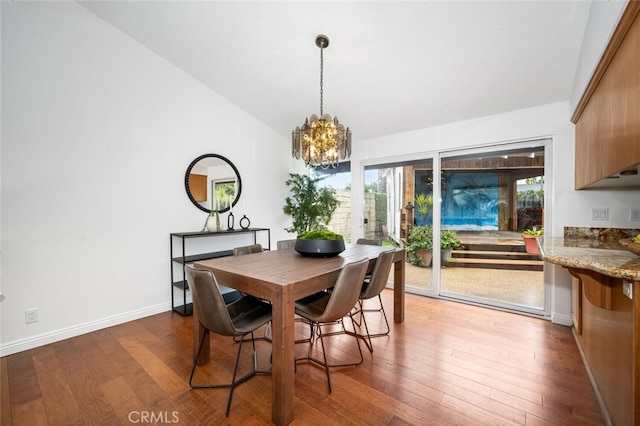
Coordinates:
x,y
319,243
310,206
530,237
449,241
212,223
420,245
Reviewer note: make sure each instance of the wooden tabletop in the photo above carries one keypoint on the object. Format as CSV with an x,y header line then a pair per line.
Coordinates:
x,y
285,267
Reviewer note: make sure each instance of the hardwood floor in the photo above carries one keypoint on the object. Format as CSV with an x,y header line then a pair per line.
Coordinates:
x,y
447,364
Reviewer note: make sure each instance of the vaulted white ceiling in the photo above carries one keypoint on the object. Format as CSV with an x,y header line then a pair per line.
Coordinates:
x,y
391,66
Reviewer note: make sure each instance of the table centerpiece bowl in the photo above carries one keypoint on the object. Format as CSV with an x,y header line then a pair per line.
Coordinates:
x,y
319,243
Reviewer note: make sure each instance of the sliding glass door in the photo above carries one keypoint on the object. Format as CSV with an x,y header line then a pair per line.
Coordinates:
x,y
392,187
471,206
489,197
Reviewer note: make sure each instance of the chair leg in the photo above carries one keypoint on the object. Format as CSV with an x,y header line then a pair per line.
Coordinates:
x,y
195,359
363,321
324,356
324,363
384,314
266,331
366,338
234,381
380,309
235,372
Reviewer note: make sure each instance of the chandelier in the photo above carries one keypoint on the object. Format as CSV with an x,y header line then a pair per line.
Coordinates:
x,y
321,141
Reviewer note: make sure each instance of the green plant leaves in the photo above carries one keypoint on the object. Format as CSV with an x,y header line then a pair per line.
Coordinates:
x,y
310,206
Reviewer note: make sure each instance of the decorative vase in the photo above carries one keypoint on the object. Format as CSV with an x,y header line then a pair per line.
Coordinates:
x,y
319,248
213,222
245,222
230,222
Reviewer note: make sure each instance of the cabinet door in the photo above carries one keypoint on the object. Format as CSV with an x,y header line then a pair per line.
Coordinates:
x,y
608,127
198,186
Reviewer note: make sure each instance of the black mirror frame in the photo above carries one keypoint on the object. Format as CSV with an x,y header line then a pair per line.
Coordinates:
x,y
225,159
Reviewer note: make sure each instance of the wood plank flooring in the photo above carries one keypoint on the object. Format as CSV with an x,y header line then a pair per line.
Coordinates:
x,y
447,364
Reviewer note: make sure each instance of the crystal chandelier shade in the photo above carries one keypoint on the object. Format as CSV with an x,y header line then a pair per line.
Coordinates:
x,y
321,141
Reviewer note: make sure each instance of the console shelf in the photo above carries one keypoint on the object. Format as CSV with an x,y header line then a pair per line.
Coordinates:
x,y
189,247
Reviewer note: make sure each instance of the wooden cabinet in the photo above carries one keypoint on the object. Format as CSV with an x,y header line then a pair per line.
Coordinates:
x,y
606,118
608,331
188,247
198,187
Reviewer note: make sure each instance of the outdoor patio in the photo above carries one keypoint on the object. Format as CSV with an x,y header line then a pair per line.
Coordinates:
x,y
524,288
520,287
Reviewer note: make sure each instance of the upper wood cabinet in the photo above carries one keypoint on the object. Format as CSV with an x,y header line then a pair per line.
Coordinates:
x,y
607,118
198,186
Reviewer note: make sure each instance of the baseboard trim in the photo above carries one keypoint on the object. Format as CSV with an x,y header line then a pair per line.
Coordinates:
x,y
79,329
562,319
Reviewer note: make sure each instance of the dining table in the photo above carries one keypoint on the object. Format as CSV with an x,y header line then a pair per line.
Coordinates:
x,y
282,277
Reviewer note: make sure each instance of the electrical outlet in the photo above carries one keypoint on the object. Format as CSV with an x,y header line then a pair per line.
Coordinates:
x,y
31,315
599,214
634,215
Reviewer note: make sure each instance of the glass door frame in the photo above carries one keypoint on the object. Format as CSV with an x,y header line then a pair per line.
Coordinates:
x,y
545,143
397,161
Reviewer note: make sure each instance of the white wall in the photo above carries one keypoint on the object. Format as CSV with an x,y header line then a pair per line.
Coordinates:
x,y
603,19
97,133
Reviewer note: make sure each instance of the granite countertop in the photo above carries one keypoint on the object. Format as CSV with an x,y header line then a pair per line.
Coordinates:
x,y
608,258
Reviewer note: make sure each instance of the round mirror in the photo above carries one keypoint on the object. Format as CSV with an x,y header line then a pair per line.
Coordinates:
x,y
213,183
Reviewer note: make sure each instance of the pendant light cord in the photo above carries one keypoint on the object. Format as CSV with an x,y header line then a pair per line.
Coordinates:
x,y
321,85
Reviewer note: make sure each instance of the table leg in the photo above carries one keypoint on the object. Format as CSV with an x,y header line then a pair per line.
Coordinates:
x,y
283,359
398,288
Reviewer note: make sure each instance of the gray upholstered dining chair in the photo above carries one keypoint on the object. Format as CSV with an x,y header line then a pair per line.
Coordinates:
x,y
372,287
285,244
329,307
230,294
250,249
369,241
236,319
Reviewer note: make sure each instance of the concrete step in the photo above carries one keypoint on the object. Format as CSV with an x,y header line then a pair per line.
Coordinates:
x,y
493,254
524,265
506,255
513,246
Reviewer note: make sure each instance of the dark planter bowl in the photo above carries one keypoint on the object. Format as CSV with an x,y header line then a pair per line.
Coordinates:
x,y
319,248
